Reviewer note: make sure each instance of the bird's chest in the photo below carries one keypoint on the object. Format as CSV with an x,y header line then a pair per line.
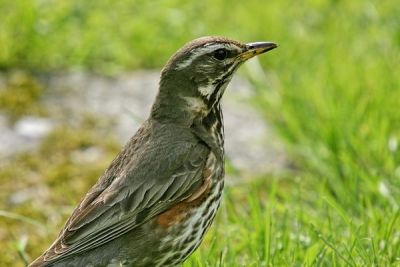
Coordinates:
x,y
193,218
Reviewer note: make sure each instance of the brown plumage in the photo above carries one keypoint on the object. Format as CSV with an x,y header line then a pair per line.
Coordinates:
x,y
158,197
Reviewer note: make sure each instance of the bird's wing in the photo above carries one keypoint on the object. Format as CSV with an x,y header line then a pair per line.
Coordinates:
x,y
163,169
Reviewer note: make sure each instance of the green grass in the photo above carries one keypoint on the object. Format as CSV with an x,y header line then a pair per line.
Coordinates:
x,y
281,222
331,91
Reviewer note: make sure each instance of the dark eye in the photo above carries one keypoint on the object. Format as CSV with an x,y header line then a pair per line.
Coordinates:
x,y
220,54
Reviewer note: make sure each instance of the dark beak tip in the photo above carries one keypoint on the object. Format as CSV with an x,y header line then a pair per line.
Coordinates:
x,y
257,48
262,45
273,46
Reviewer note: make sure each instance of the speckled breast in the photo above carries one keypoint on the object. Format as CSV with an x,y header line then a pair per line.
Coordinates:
x,y
187,222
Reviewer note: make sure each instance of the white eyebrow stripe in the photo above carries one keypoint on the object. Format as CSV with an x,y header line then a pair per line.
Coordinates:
x,y
198,52
195,54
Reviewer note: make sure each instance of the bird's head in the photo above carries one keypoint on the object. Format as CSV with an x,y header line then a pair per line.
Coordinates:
x,y
195,77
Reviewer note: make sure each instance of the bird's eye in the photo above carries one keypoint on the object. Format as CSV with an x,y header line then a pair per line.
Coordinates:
x,y
220,54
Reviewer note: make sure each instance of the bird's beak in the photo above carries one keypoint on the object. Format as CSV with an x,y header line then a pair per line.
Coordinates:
x,y
254,49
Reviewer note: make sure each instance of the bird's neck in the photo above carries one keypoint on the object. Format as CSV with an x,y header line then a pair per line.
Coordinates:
x,y
178,101
214,123
210,130
193,113
176,104
186,111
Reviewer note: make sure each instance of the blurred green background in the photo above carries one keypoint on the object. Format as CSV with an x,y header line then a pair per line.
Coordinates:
x,y
331,92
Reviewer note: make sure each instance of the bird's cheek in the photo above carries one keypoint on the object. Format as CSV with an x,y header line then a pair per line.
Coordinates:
x,y
205,68
199,79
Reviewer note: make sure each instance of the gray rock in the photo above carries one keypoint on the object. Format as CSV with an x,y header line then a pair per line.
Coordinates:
x,y
33,128
24,135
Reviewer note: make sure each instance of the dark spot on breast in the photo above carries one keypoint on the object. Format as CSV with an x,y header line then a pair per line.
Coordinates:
x,y
166,249
193,247
189,238
197,224
169,261
176,257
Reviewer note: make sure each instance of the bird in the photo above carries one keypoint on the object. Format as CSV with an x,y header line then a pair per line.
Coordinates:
x,y
156,200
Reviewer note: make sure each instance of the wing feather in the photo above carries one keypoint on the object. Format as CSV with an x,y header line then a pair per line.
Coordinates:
x,y
156,174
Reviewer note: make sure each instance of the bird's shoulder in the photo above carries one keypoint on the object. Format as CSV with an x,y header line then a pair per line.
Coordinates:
x,y
154,147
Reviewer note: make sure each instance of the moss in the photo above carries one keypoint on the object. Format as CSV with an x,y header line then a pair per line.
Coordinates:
x,y
20,95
